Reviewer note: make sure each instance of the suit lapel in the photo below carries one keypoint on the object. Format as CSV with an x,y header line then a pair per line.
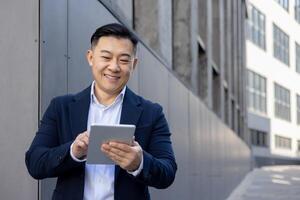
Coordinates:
x,y
79,110
131,112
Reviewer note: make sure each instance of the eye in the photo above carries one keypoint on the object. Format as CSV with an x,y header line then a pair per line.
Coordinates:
x,y
105,57
124,61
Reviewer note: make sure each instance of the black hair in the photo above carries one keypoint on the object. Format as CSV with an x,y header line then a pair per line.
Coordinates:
x,y
115,30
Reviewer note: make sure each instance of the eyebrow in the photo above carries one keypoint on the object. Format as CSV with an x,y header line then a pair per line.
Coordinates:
x,y
123,54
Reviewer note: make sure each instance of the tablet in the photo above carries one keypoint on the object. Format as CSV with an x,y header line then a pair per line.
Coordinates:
x,y
100,134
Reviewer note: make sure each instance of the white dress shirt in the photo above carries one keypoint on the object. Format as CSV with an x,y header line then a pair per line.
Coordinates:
x,y
99,179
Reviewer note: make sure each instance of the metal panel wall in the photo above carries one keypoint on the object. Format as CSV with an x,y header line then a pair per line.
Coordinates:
x,y
80,28
19,95
149,67
54,60
211,158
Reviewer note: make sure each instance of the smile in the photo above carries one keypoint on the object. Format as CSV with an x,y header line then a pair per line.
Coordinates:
x,y
111,77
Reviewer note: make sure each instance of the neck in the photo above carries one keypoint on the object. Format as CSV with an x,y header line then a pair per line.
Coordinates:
x,y
104,97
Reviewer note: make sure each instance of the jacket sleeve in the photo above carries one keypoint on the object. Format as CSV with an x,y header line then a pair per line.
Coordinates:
x,y
159,167
47,157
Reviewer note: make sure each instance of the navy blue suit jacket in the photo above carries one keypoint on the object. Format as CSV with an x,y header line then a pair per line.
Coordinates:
x,y
66,117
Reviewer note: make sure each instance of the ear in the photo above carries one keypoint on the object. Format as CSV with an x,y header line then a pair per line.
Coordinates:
x,y
89,57
135,61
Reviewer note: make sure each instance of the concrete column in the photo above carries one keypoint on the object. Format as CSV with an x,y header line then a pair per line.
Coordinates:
x,y
181,39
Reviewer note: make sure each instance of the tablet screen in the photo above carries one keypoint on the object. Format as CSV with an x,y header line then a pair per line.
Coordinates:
x,y
100,134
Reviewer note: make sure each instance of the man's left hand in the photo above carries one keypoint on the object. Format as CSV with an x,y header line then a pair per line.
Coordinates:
x,y
126,156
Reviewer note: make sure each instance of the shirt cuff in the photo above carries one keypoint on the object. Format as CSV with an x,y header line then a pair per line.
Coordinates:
x,y
138,171
73,157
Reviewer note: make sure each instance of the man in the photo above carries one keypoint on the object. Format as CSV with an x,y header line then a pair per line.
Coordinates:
x,y
60,146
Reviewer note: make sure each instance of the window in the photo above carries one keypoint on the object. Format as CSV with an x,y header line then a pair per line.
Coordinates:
x,y
283,142
298,109
257,97
256,27
297,58
281,45
297,10
284,4
258,138
282,103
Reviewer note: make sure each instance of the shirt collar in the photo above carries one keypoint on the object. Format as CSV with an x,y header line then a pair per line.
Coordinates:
x,y
94,99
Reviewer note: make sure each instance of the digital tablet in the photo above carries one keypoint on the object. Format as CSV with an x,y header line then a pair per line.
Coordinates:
x,y
100,134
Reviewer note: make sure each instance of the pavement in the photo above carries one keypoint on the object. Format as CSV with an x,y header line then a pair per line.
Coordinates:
x,y
269,183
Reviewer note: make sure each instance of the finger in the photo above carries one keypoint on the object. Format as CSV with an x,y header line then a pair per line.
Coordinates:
x,y
114,157
119,152
132,141
81,144
111,150
105,147
85,139
135,143
86,134
120,146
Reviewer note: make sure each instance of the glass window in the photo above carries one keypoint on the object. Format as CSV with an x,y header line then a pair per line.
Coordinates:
x,y
282,103
283,142
284,4
256,27
298,109
256,88
258,138
297,57
281,45
297,10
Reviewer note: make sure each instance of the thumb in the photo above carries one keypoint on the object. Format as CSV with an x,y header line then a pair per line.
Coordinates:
x,y
133,142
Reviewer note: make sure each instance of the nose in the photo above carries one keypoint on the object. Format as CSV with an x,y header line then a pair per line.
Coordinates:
x,y
114,66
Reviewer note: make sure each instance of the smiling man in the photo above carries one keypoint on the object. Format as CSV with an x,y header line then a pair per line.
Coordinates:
x,y
59,148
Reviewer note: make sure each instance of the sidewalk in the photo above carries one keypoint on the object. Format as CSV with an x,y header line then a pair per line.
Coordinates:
x,y
269,183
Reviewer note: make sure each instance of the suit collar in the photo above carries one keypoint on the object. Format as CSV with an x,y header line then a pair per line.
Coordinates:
x,y
131,112
131,109
79,110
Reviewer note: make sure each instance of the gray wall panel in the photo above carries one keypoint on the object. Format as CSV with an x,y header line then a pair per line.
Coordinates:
x,y
81,25
195,175
178,119
19,95
54,60
151,69
53,50
205,145
133,83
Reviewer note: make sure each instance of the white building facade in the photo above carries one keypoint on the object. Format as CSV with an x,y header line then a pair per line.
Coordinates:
x,y
273,80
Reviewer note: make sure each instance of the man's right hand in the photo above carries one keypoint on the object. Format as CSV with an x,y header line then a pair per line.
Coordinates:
x,y
80,145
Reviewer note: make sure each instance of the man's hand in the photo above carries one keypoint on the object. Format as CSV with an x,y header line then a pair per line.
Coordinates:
x,y
80,145
126,156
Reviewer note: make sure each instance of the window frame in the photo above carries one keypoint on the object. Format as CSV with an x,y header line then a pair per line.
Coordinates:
x,y
257,92
283,142
259,138
282,102
281,45
285,4
256,31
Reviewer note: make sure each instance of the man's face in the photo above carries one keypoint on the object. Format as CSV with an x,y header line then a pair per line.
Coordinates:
x,y
112,61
